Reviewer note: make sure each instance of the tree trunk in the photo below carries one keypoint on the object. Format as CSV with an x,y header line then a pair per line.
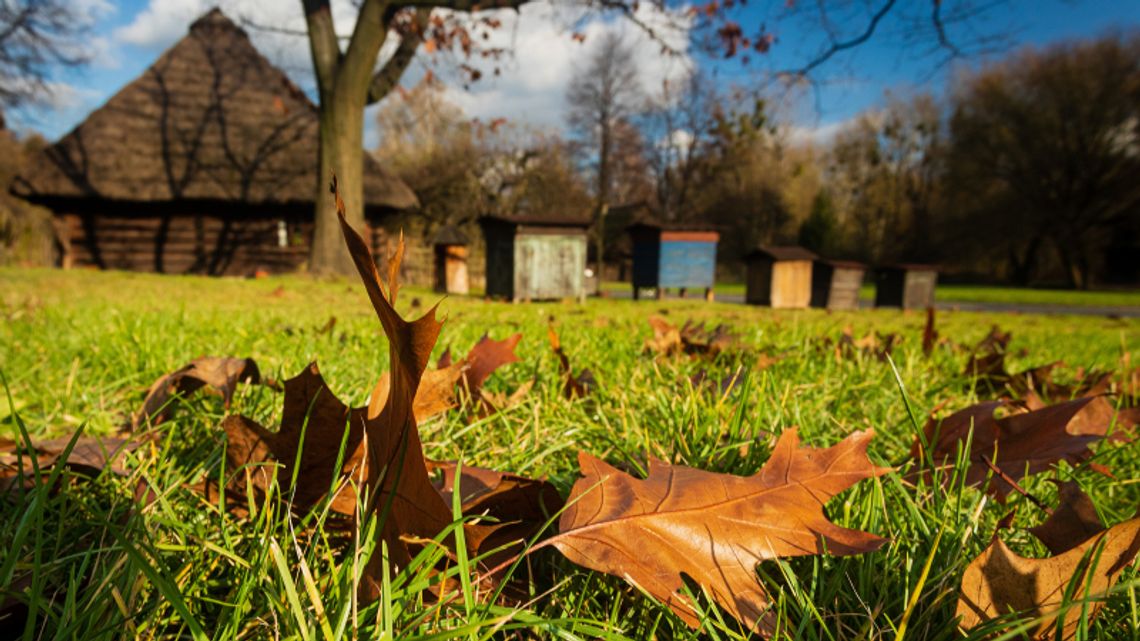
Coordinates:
x,y
1021,270
341,154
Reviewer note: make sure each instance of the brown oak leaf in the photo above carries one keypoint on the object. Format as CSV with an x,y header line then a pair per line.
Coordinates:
x,y
90,455
714,528
1073,522
692,338
310,409
1020,443
574,385
1000,581
221,373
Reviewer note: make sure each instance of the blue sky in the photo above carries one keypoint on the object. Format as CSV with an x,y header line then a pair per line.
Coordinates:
x,y
129,35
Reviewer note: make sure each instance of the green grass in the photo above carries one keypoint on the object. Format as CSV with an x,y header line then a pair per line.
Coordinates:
x,y
973,294
1028,296
78,350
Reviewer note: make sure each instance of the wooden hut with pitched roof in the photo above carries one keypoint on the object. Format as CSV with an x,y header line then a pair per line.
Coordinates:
x,y
206,163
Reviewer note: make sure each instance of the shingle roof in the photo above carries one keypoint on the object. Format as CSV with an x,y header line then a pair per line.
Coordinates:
x,y
210,119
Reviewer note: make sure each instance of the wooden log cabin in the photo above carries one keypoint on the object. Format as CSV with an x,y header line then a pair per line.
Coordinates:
x,y
906,285
835,284
206,163
673,256
779,277
535,257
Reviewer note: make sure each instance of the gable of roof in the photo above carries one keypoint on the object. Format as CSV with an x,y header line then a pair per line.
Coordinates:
x,y
211,119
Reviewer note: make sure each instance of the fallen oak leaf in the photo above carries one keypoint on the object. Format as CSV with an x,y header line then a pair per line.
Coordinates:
x,y
1024,442
90,455
313,423
713,527
1073,522
397,477
521,505
574,386
484,358
221,373
929,334
1000,581
435,395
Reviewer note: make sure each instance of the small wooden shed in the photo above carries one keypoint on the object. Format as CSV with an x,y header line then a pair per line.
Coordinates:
x,y
450,246
907,285
673,255
535,257
779,277
835,283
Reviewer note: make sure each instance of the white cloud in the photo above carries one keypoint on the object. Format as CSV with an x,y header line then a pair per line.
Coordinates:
x,y
532,87
817,135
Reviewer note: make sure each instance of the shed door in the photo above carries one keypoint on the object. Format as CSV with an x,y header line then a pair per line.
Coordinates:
x,y
549,266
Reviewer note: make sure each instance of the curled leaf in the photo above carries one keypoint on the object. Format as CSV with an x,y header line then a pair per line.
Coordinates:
x,y
1000,581
221,373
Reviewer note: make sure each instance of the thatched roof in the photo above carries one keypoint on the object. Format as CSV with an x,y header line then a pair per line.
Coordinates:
x,y
211,119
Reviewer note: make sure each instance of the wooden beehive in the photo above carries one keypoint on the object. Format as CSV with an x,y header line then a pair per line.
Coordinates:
x,y
677,256
779,277
535,258
910,286
451,261
835,283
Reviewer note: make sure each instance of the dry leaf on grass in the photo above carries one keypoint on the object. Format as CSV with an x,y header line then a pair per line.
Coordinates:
x,y
574,385
310,408
929,334
1073,522
90,455
713,527
481,361
397,475
692,338
1020,443
986,367
221,373
435,395
872,344
521,505
1087,562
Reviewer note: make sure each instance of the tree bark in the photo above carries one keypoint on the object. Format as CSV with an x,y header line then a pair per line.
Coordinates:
x,y
342,134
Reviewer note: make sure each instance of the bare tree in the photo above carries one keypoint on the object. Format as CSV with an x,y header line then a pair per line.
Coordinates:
x,y
603,94
35,36
678,125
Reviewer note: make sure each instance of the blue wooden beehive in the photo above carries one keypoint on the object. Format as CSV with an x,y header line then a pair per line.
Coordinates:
x,y
680,256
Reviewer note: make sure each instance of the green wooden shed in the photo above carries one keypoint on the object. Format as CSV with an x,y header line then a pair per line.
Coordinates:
x,y
534,257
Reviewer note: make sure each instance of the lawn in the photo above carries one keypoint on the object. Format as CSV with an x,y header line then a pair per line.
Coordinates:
x,y
79,349
975,294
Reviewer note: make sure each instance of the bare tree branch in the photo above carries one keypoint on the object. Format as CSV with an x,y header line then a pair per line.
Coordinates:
x,y
462,5
842,45
389,75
